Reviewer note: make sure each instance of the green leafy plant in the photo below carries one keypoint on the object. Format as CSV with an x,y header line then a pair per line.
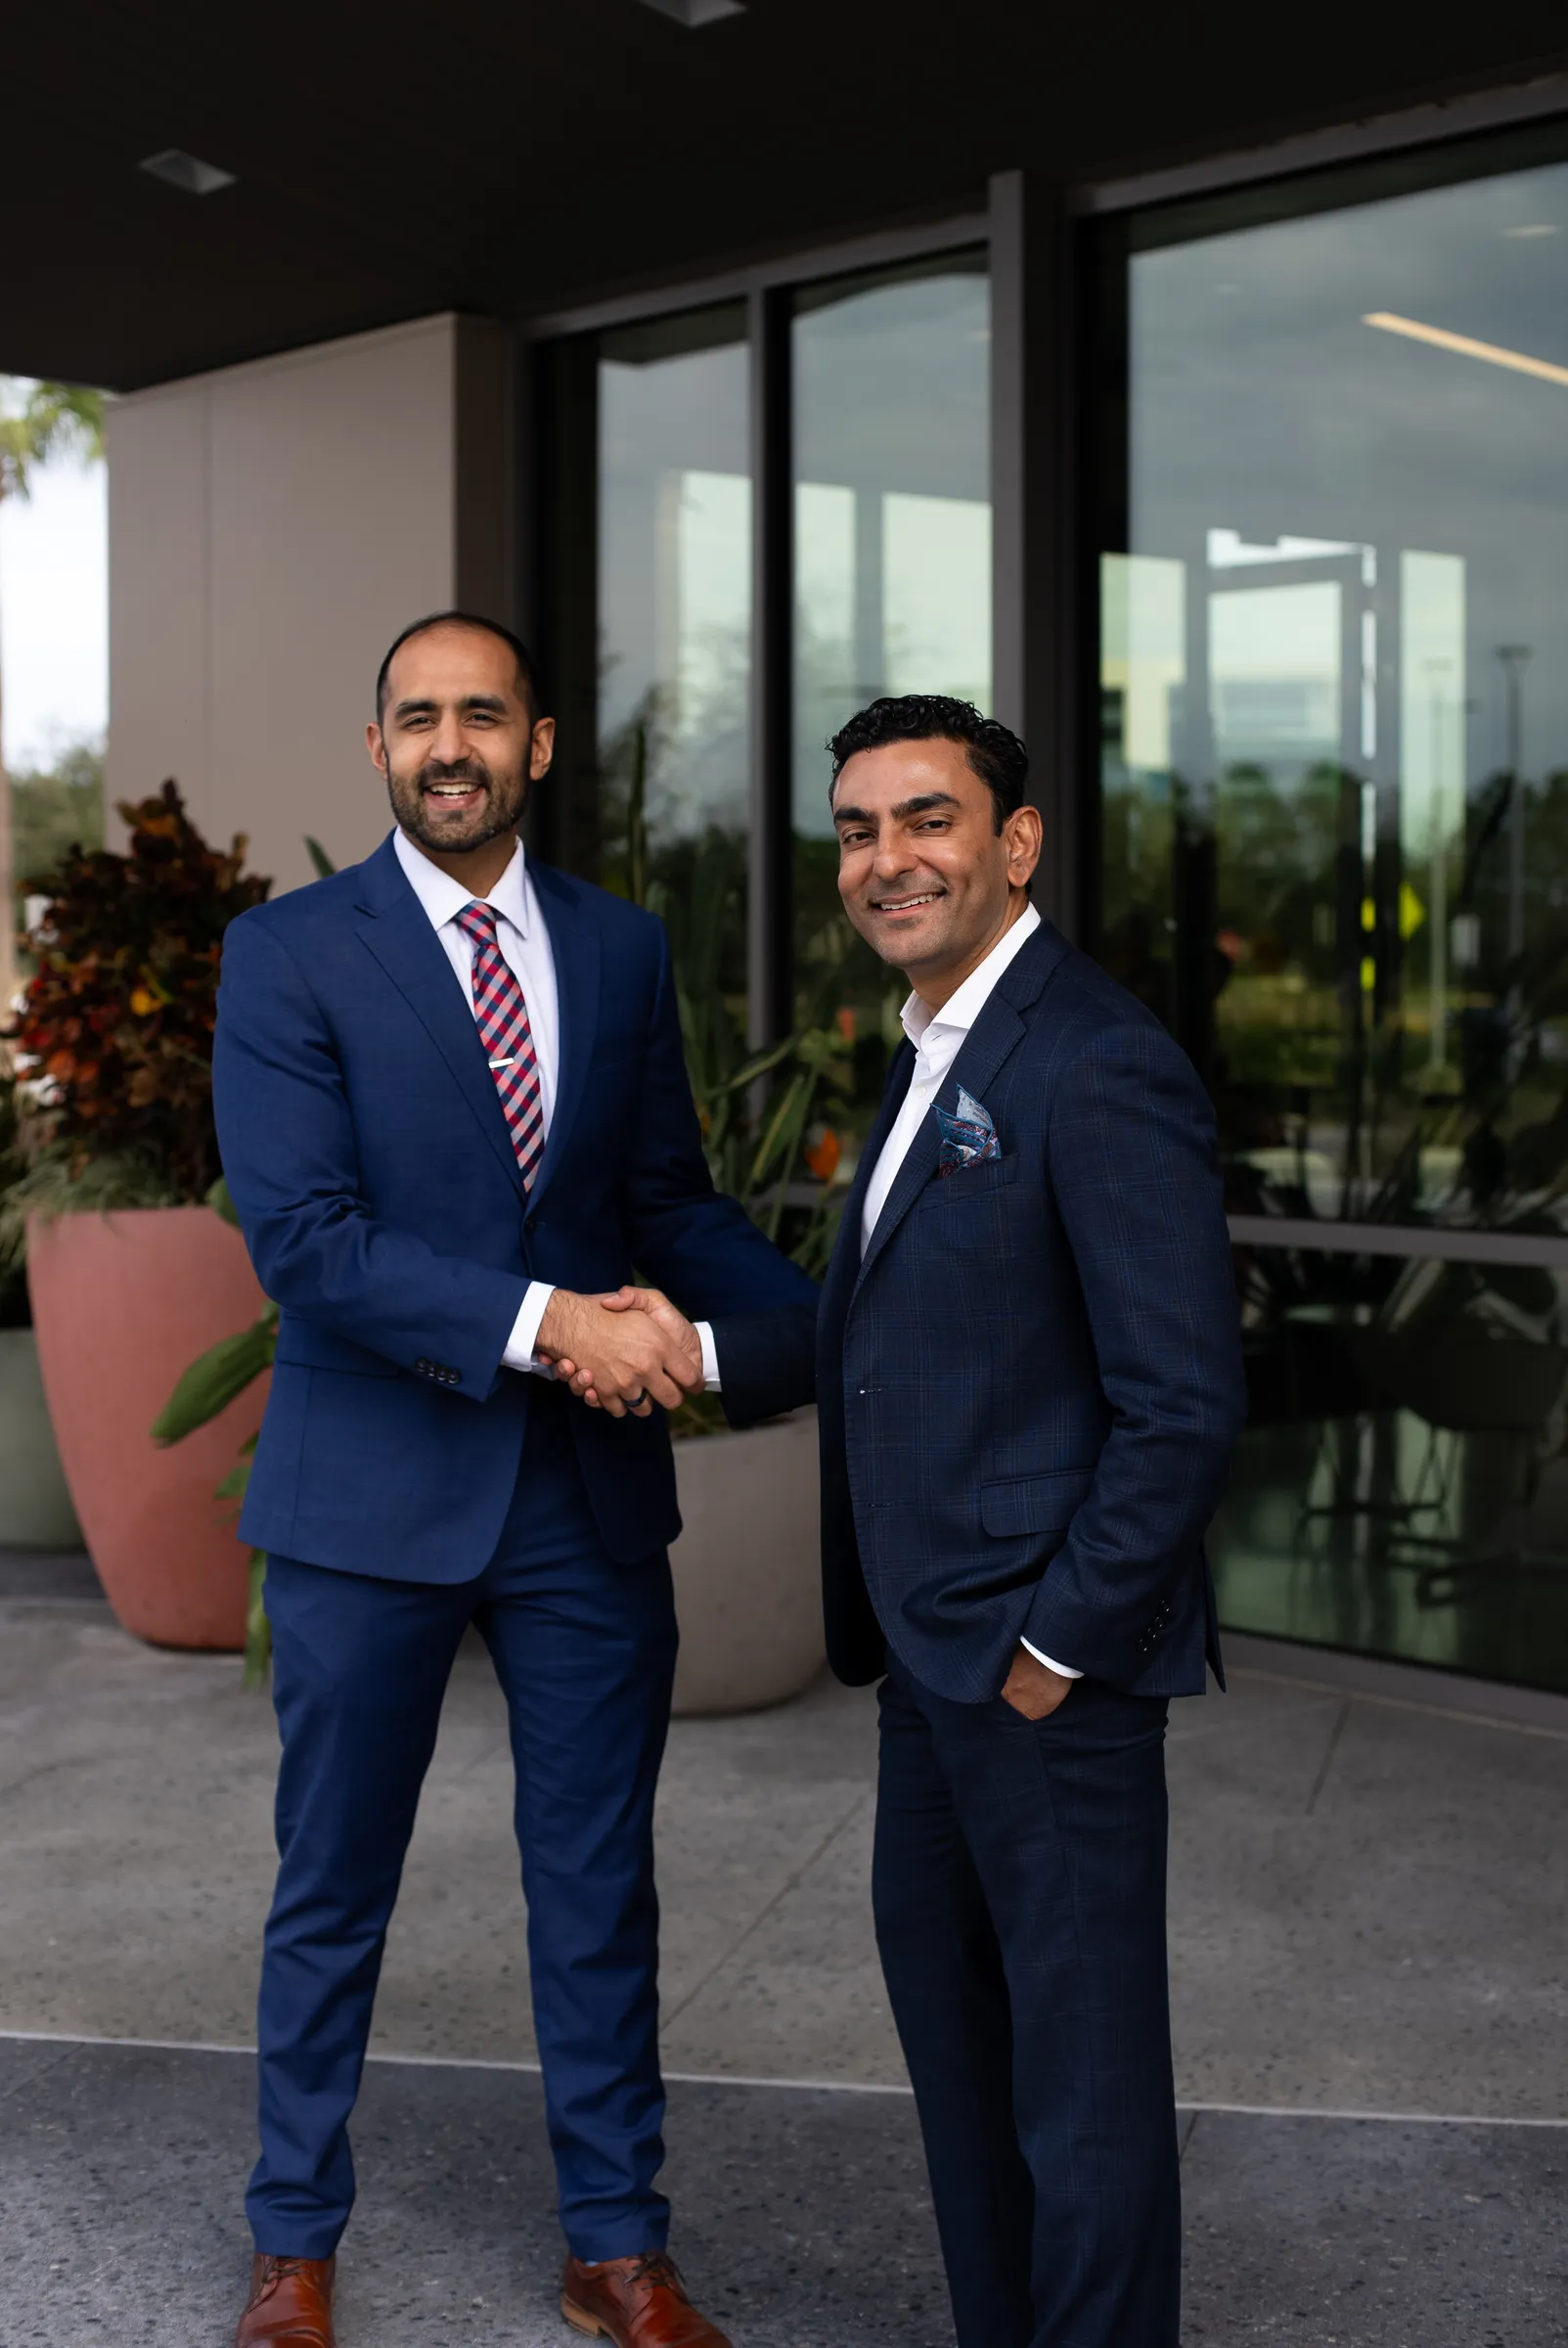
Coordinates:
x,y
208,1386
115,1037
212,1383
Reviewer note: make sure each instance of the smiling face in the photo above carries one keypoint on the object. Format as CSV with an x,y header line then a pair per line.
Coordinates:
x,y
458,744
924,875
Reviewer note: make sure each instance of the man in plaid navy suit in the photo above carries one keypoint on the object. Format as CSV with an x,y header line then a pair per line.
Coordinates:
x,y
1029,1379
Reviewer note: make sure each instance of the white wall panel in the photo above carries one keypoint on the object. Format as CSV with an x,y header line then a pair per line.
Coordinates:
x,y
272,527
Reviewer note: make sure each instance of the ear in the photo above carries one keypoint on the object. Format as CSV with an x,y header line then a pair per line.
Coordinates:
x,y
376,747
1023,835
543,749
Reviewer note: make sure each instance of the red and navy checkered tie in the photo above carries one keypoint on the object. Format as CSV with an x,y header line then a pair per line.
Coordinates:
x,y
504,1030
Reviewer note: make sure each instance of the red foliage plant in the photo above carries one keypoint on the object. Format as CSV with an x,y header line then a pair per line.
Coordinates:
x,y
117,1021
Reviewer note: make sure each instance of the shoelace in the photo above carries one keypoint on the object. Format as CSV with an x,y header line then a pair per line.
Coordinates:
x,y
278,2269
656,2268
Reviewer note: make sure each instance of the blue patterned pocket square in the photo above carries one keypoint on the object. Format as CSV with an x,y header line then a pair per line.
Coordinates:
x,y
968,1134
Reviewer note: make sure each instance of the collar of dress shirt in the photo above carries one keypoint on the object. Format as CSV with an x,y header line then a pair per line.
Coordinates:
x,y
964,1005
444,898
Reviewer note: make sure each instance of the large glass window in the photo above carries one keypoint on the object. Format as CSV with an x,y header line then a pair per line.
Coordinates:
x,y
892,534
1334,857
877,400
654,422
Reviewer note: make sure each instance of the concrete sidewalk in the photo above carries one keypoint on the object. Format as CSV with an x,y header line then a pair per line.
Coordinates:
x,y
1368,1913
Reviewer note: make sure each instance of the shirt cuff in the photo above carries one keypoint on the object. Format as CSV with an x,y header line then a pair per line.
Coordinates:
x,y
710,1355
519,1354
1065,1670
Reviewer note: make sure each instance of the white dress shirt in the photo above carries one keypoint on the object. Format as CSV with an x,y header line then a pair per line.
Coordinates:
x,y
525,943
938,1037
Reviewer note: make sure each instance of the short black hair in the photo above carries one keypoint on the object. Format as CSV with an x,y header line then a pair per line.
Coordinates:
x,y
995,754
527,674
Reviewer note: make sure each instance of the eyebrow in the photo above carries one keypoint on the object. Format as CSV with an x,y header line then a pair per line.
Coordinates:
x,y
921,806
470,701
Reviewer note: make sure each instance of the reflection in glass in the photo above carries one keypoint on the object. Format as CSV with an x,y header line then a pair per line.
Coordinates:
x,y
674,603
1402,1485
1334,858
892,522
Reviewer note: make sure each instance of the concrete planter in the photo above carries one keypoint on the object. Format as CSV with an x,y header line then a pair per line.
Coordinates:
x,y
748,1570
123,1304
35,1511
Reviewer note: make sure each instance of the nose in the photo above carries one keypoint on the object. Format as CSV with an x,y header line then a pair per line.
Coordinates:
x,y
892,858
447,745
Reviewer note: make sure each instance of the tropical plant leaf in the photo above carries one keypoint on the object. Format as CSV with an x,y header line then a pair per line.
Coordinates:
x,y
325,866
221,1203
257,1629
212,1381
761,1064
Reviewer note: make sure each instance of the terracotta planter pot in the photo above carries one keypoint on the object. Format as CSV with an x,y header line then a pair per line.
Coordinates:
x,y
123,1304
747,1567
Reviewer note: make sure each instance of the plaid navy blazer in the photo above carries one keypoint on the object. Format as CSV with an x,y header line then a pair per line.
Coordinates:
x,y
1029,1387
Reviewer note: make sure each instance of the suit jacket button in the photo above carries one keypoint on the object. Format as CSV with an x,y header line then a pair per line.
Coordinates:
x,y
422,1366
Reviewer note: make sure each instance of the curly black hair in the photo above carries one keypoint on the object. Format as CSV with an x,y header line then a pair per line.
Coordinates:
x,y
995,754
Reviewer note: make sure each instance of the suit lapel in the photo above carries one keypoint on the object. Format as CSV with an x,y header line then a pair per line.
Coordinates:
x,y
574,944
996,1034
845,1263
396,928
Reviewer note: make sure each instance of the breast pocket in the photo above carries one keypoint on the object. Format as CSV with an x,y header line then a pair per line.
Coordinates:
x,y
979,1181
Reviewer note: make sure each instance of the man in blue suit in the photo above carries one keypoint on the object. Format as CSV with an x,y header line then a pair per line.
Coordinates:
x,y
1028,1381
454,1114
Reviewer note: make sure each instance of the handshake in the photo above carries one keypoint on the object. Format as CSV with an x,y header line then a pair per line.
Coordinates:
x,y
623,1352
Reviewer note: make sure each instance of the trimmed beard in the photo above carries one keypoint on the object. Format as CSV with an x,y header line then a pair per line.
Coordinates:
x,y
408,803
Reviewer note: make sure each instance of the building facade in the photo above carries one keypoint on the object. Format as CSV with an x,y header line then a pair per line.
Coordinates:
x,y
1239,488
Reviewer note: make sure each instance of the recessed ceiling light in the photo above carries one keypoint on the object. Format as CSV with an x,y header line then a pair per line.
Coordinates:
x,y
693,13
1534,228
187,172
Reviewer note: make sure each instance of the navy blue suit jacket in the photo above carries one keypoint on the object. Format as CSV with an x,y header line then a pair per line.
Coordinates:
x,y
374,1178
1028,1390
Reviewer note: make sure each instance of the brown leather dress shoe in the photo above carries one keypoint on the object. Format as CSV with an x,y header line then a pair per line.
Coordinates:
x,y
290,2304
636,2303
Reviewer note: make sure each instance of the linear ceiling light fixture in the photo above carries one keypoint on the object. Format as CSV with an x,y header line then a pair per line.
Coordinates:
x,y
187,172
1389,323
694,12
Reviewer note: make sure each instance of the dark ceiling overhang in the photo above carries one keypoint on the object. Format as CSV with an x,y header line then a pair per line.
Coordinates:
x,y
510,158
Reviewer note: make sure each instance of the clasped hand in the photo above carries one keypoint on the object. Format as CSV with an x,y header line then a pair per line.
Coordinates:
x,y
621,1352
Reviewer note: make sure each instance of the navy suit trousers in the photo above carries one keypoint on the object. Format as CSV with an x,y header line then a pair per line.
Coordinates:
x,y
585,1652
1020,1893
